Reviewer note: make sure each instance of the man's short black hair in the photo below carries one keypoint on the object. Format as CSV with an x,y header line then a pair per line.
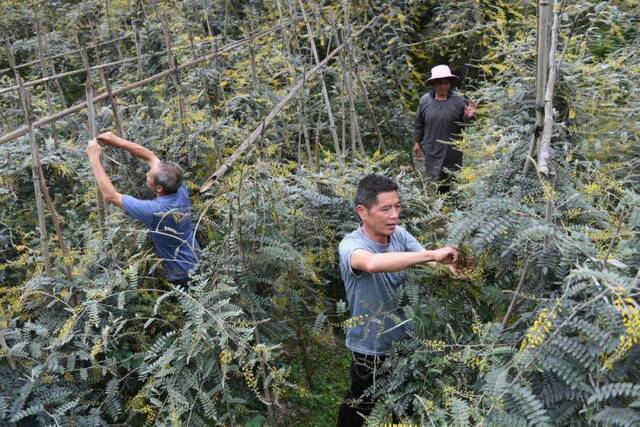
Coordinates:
x,y
169,176
372,185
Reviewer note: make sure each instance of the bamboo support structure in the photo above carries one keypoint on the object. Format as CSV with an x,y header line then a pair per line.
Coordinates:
x,y
82,105
325,93
257,132
91,125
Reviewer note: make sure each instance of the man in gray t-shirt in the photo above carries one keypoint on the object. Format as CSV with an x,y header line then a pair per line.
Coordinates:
x,y
371,262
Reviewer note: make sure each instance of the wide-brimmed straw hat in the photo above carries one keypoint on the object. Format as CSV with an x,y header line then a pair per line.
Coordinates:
x,y
441,72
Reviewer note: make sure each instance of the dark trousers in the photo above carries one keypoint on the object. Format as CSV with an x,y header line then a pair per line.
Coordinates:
x,y
364,370
183,283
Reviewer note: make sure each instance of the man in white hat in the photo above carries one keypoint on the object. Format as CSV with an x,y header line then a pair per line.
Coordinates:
x,y
439,119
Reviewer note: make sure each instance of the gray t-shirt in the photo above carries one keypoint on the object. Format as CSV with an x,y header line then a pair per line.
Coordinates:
x,y
371,295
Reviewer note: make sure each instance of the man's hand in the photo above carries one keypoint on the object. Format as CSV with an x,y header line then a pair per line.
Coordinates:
x,y
106,137
417,150
470,110
93,150
446,255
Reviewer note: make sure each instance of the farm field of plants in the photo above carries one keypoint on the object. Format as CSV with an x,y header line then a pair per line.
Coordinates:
x,y
275,110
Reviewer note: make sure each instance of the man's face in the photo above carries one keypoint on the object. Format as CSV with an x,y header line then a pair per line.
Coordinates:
x,y
382,217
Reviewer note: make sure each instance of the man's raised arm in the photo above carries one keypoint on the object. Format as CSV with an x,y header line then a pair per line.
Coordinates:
x,y
109,192
136,149
395,261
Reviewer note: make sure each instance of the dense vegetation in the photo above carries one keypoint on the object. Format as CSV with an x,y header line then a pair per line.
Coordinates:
x,y
101,339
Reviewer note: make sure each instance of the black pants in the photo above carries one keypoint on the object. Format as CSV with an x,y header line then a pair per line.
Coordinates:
x,y
364,370
183,283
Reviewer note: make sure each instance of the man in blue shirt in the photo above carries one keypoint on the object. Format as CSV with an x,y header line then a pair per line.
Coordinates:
x,y
371,262
168,216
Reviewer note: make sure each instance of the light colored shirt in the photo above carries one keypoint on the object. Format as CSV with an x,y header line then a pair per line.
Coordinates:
x,y
371,296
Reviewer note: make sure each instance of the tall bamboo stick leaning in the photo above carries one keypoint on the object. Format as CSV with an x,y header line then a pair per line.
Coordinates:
x,y
82,105
222,170
325,93
91,125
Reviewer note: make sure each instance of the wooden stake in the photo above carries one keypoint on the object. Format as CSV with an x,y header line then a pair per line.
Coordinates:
x,y
325,93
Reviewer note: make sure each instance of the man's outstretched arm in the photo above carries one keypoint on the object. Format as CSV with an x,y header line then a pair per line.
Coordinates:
x,y
137,150
109,192
395,261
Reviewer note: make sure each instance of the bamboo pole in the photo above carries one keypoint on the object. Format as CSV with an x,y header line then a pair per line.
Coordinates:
x,y
43,68
175,76
346,75
136,40
303,119
110,27
82,105
544,148
63,100
91,125
257,132
112,100
325,93
372,113
542,70
252,58
55,218
301,112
